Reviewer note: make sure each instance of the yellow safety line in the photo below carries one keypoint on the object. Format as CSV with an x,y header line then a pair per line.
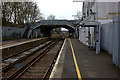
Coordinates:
x,y
76,65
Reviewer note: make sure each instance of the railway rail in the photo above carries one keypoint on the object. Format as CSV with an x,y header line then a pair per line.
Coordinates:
x,y
38,64
12,60
16,48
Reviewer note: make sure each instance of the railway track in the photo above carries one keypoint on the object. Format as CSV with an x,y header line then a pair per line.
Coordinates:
x,y
12,60
37,65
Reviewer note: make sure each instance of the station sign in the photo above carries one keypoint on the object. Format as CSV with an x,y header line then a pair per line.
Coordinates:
x,y
75,25
20,27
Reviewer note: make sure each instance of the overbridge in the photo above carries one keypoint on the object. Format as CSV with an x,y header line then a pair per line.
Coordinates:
x,y
47,25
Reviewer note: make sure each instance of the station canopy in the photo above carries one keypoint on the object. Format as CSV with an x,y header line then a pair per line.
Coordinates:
x,y
90,24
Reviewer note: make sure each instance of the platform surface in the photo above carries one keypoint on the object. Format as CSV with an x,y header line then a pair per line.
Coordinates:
x,y
11,43
90,64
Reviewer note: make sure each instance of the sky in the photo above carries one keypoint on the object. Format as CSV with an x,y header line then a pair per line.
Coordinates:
x,y
62,9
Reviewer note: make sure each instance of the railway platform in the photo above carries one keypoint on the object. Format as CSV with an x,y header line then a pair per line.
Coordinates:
x,y
16,42
78,62
10,48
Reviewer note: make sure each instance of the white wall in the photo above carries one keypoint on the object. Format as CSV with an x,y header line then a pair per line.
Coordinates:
x,y
83,34
104,8
92,36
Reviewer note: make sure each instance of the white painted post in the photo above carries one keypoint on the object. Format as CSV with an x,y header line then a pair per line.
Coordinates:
x,y
97,41
99,36
97,31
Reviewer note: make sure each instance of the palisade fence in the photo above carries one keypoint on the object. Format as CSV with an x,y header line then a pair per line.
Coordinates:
x,y
110,39
12,32
16,32
36,33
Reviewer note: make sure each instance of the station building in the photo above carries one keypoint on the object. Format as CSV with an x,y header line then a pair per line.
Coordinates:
x,y
108,14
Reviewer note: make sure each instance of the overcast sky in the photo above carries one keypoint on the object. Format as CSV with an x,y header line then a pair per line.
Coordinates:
x,y
62,9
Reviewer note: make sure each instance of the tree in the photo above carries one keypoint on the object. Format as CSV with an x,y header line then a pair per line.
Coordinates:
x,y
36,15
78,15
51,17
20,13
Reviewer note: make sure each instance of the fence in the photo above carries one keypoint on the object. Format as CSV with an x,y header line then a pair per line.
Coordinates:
x,y
36,33
12,32
110,39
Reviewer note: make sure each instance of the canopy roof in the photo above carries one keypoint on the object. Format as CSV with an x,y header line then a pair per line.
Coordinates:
x,y
90,24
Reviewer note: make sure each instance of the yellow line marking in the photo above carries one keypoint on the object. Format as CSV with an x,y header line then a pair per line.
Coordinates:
x,y
76,65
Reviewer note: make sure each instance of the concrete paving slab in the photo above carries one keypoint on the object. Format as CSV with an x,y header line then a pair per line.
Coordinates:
x,y
69,70
91,65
